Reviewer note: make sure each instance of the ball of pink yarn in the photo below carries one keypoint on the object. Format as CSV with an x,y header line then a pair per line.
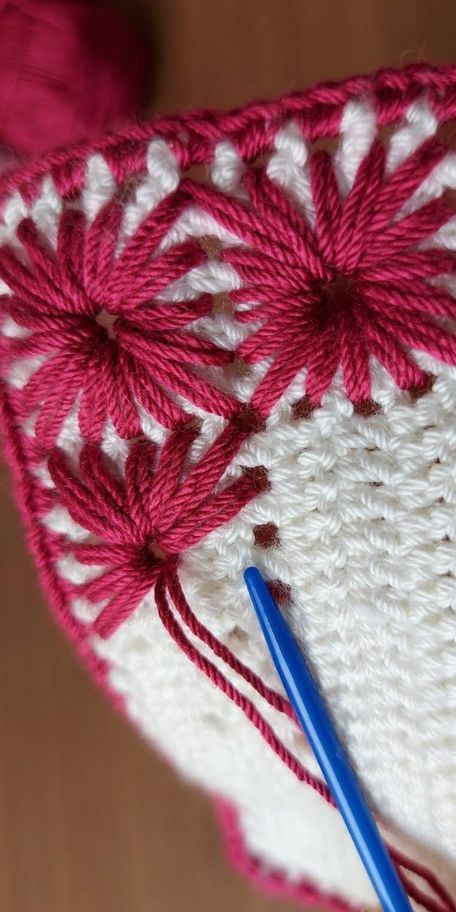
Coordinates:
x,y
67,71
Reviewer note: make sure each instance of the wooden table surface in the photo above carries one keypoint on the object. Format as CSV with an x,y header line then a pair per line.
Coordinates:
x,y
90,819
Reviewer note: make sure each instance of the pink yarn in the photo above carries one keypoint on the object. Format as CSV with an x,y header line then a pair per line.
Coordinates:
x,y
67,71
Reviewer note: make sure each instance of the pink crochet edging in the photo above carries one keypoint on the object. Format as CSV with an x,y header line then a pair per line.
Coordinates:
x,y
317,110
270,881
35,533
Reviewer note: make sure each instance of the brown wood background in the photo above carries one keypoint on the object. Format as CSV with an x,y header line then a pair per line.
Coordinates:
x,y
90,819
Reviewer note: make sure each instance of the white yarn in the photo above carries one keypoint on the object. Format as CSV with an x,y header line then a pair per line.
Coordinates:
x,y
59,520
420,124
22,370
357,129
196,223
47,209
10,328
443,176
98,190
365,510
14,210
227,168
162,178
287,166
210,278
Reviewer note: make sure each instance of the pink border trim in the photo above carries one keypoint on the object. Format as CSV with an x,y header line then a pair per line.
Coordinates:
x,y
25,494
269,880
192,135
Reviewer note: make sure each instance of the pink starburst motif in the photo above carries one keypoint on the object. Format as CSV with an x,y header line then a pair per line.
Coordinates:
x,y
358,285
96,321
140,525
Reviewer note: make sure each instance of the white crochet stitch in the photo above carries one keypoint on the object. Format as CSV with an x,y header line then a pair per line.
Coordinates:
x,y
365,510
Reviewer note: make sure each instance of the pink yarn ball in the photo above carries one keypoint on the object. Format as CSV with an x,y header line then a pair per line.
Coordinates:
x,y
67,71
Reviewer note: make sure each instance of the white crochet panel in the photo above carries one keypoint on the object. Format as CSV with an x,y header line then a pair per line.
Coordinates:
x,y
366,516
362,515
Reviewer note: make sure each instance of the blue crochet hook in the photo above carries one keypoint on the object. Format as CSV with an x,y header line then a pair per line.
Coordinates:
x,y
315,721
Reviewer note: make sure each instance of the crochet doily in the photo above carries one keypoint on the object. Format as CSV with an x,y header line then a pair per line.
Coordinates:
x,y
227,339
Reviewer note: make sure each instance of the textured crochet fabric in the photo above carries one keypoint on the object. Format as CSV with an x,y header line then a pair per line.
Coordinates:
x,y
227,339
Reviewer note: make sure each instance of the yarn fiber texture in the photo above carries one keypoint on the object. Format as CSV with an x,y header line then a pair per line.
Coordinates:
x,y
253,362
68,70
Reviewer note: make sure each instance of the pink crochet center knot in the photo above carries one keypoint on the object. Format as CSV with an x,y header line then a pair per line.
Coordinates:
x,y
358,283
107,320
106,338
334,297
142,525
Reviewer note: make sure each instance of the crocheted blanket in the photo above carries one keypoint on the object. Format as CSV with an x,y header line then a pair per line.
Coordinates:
x,y
229,339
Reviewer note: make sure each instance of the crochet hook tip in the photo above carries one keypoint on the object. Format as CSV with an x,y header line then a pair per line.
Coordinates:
x,y
315,720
